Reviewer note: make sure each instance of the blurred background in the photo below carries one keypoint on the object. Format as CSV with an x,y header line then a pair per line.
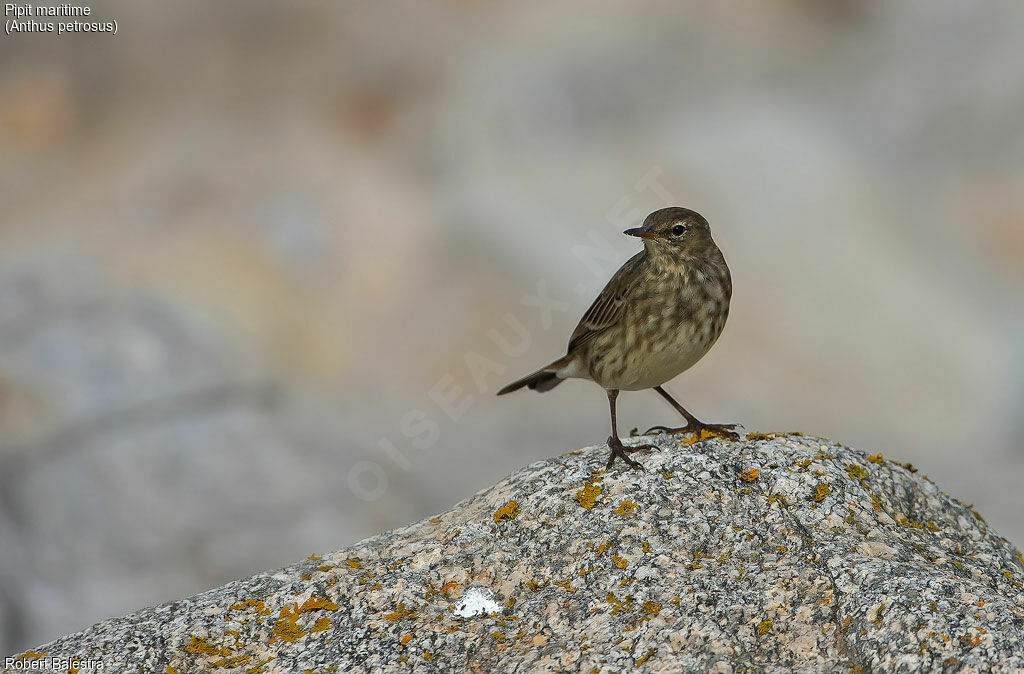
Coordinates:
x,y
263,265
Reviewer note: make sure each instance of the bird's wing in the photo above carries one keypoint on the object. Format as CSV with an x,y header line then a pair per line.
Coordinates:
x,y
607,308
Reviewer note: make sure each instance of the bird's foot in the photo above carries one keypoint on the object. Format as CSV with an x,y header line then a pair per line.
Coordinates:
x,y
621,451
700,431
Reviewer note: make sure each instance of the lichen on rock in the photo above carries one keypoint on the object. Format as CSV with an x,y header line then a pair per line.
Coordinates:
x,y
773,552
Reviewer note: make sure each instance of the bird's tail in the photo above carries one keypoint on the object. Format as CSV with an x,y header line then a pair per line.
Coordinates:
x,y
544,379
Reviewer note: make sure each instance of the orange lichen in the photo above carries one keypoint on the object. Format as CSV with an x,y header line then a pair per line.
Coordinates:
x,y
750,474
626,508
587,496
509,511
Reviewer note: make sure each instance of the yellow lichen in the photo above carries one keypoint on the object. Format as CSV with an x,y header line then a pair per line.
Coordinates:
x,y
286,628
646,546
258,668
317,603
876,458
509,511
652,608
764,627
32,655
587,496
354,563
821,491
856,472
231,663
750,474
619,605
251,603
620,562
200,646
401,614
566,585
626,508
642,659
320,625
704,435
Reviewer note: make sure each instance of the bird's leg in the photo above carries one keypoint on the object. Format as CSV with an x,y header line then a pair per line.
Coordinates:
x,y
619,450
693,425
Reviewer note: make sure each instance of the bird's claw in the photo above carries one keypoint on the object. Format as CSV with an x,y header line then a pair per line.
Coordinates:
x,y
698,430
621,451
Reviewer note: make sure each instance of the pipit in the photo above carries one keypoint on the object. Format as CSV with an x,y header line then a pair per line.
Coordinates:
x,y
658,315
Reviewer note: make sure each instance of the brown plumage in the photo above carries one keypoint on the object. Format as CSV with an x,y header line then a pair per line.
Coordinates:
x,y
657,316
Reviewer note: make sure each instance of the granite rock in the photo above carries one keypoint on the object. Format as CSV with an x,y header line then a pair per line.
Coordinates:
x,y
778,552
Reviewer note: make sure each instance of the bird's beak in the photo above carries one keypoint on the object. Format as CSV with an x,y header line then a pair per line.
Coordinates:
x,y
641,232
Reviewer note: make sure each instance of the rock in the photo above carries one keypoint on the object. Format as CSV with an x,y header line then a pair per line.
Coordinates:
x,y
778,552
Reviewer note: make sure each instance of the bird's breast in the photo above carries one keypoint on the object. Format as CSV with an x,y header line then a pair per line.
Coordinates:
x,y
663,335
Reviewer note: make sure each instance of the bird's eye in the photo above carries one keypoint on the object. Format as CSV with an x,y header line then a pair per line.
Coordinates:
x,y
678,230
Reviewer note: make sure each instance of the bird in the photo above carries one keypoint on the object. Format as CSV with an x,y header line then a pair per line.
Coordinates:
x,y
660,313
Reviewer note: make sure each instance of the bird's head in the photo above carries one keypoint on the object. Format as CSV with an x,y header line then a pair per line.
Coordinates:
x,y
675,231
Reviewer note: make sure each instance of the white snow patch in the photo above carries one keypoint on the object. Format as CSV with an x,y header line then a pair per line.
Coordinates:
x,y
477,602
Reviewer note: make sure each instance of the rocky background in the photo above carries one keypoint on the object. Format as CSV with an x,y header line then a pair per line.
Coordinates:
x,y
776,553
262,266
